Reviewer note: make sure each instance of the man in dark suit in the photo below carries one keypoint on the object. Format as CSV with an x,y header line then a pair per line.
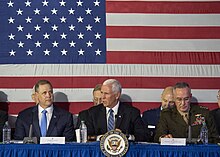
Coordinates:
x,y
112,114
57,122
175,122
216,114
97,99
151,117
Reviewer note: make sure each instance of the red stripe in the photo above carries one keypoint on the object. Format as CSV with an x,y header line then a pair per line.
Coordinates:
x,y
162,7
73,107
132,57
76,107
127,82
163,32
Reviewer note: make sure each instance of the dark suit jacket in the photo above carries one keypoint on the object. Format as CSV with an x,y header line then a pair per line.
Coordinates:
x,y
128,120
61,124
216,115
151,117
3,119
171,122
83,116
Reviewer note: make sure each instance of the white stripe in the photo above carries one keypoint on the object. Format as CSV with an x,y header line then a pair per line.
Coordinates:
x,y
164,45
129,19
85,95
110,70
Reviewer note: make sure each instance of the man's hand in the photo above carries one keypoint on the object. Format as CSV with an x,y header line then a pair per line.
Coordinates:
x,y
165,136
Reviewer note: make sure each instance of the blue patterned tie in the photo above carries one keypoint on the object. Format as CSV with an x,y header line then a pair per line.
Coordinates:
x,y
111,122
43,126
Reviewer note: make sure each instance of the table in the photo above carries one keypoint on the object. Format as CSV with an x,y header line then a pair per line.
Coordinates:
x,y
93,150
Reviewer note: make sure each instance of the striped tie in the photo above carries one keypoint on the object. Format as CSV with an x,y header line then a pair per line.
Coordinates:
x,y
43,126
111,122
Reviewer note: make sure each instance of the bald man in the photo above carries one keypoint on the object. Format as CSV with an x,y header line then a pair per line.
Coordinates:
x,y
151,117
167,98
174,122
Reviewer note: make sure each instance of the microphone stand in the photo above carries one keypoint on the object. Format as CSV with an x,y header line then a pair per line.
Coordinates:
x,y
30,139
189,139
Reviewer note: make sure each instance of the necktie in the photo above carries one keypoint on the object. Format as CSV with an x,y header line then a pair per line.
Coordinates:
x,y
111,122
43,126
185,117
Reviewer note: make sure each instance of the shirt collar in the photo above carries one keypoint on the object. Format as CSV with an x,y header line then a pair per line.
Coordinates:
x,y
115,108
48,109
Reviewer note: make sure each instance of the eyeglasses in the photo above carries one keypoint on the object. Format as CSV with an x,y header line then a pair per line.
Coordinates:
x,y
183,99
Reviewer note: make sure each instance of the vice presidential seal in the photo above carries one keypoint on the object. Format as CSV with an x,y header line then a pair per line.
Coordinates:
x,y
114,143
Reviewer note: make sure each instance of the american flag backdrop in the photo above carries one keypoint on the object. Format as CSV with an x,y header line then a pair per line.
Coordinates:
x,y
76,44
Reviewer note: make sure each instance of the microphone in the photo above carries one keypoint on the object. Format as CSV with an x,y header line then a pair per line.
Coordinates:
x,y
30,139
30,131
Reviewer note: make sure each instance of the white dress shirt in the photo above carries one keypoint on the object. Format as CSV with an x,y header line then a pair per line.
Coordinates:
x,y
48,114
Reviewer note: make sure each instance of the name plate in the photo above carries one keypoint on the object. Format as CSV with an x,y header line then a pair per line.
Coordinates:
x,y
52,140
173,141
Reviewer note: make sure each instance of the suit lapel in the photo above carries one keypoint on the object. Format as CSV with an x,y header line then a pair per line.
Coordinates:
x,y
53,121
120,115
103,121
36,127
